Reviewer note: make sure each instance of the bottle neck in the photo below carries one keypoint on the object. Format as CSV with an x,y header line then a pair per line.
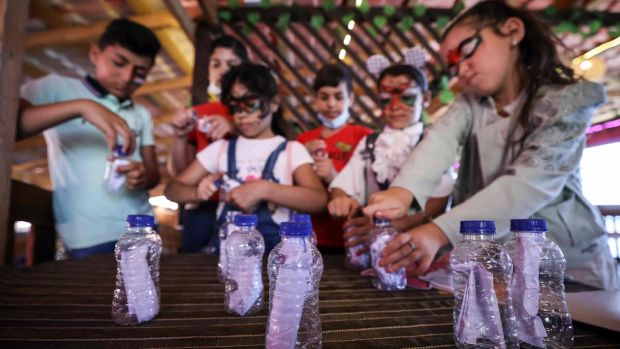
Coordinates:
x,y
141,230
245,228
529,234
478,237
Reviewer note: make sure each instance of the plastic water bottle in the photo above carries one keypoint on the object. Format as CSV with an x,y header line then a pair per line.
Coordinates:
x,y
537,288
380,236
136,296
114,181
226,228
295,267
245,247
482,314
354,260
304,218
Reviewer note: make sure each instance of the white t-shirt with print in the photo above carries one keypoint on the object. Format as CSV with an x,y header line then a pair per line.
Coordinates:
x,y
251,156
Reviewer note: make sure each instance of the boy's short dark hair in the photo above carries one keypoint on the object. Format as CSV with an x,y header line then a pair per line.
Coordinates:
x,y
227,41
333,75
407,70
131,35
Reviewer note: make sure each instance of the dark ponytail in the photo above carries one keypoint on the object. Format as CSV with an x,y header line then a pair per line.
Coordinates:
x,y
539,61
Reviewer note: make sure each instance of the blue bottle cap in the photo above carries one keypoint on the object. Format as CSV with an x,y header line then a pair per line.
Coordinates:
x,y
528,225
295,229
118,151
477,227
140,220
380,221
301,217
245,220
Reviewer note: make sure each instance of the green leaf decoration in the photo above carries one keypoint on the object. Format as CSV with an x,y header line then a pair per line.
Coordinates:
x,y
574,16
419,10
224,15
380,21
265,3
364,7
389,10
253,17
446,96
426,119
372,31
284,20
442,22
614,31
317,21
245,31
329,5
233,3
566,27
458,7
406,23
595,26
443,82
551,11
347,18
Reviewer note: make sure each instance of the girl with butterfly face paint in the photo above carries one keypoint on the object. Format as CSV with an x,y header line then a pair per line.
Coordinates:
x,y
403,93
520,126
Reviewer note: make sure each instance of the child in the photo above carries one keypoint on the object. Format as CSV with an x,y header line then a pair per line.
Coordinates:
x,y
332,144
191,137
89,218
378,158
521,125
263,173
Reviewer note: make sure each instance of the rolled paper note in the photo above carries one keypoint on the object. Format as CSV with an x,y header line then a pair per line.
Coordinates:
x,y
525,287
246,274
142,298
376,248
116,180
479,318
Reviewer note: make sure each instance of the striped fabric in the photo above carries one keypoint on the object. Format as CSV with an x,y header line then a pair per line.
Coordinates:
x,y
67,305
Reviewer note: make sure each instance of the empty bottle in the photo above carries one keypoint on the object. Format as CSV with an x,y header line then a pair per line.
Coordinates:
x,y
226,228
380,236
295,267
481,272
537,288
245,247
304,218
112,179
136,296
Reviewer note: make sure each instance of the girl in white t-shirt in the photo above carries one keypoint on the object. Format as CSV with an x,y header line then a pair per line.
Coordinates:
x,y
260,172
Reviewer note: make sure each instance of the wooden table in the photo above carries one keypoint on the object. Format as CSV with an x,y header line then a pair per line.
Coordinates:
x,y
67,305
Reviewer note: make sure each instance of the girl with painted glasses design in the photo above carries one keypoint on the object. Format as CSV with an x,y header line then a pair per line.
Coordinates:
x,y
264,173
378,158
519,125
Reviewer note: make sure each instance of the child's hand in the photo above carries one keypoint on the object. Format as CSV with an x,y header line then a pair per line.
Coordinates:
x,y
343,206
135,174
111,125
317,149
325,170
248,195
206,187
182,122
220,127
358,231
390,204
416,248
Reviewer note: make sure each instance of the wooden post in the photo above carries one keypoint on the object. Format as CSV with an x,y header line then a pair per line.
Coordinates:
x,y
13,16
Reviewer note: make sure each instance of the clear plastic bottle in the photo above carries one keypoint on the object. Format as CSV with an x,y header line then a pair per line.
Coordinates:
x,y
537,288
136,296
245,247
226,228
353,260
295,267
304,218
380,236
482,314
114,181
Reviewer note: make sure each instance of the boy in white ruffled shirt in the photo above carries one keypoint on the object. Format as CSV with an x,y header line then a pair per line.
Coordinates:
x,y
377,159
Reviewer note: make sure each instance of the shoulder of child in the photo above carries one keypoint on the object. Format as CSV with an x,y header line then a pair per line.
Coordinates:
x,y
581,94
309,135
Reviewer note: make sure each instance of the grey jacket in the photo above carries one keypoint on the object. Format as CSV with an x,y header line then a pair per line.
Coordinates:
x,y
536,178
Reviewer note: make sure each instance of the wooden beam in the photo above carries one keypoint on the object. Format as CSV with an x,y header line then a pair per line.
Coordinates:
x,y
209,9
72,35
177,10
13,17
164,85
200,76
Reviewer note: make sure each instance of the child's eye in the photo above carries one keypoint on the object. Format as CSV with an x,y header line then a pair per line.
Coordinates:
x,y
384,102
469,47
408,100
118,64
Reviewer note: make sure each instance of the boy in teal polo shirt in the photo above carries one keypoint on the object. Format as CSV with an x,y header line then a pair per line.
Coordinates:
x,y
81,121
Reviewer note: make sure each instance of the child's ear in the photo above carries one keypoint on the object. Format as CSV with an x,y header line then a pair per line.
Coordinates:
x,y
274,104
515,29
427,97
351,98
94,52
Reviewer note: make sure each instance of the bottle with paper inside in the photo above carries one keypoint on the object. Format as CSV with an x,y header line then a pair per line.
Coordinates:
x,y
136,296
